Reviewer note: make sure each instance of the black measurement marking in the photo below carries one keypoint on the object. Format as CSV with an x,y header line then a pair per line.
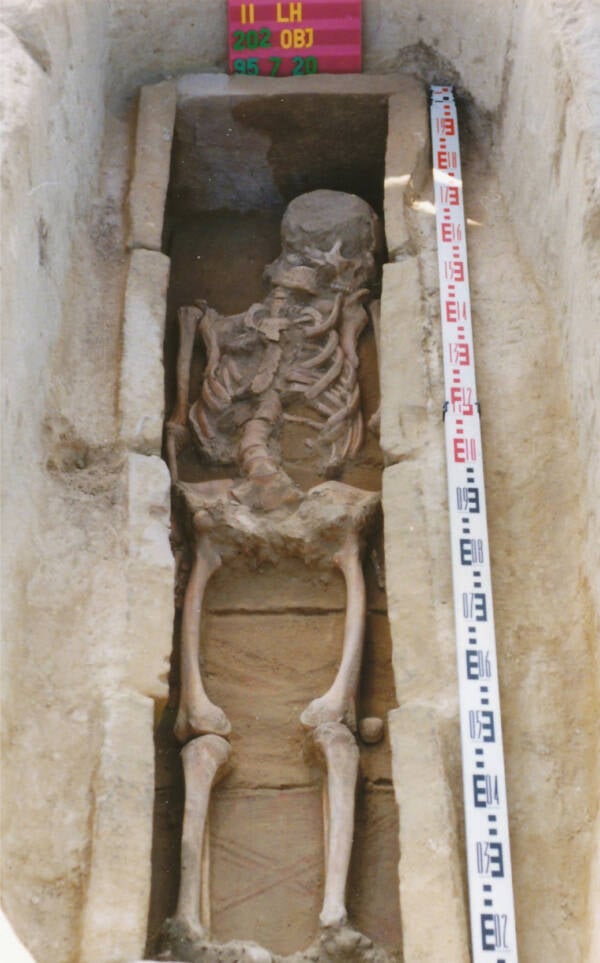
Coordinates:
x,y
482,727
494,931
479,665
471,551
467,500
474,606
490,859
486,792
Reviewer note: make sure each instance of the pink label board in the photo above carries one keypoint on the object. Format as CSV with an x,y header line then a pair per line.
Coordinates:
x,y
291,39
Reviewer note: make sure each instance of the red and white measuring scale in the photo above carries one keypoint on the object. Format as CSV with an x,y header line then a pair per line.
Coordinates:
x,y
493,933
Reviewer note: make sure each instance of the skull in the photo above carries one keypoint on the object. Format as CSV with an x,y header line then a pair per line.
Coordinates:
x,y
329,239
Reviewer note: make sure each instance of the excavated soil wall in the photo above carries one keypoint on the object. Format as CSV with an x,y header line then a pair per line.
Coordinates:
x,y
87,568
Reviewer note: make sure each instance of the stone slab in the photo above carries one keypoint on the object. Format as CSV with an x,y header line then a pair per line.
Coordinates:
x,y
263,671
594,896
116,908
431,880
403,373
150,575
290,583
407,164
151,165
248,142
377,695
373,897
141,394
192,86
266,853
287,584
424,657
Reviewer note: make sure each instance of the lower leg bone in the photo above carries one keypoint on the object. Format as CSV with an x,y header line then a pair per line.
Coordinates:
x,y
197,714
337,705
204,761
340,754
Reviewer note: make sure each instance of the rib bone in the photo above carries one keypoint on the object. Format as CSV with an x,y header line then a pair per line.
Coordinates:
x,y
329,375
325,353
323,326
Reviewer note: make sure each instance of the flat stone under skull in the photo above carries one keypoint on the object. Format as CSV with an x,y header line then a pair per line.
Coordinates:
x,y
289,358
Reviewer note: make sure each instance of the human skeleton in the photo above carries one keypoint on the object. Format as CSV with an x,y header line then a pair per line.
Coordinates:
x,y
290,358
